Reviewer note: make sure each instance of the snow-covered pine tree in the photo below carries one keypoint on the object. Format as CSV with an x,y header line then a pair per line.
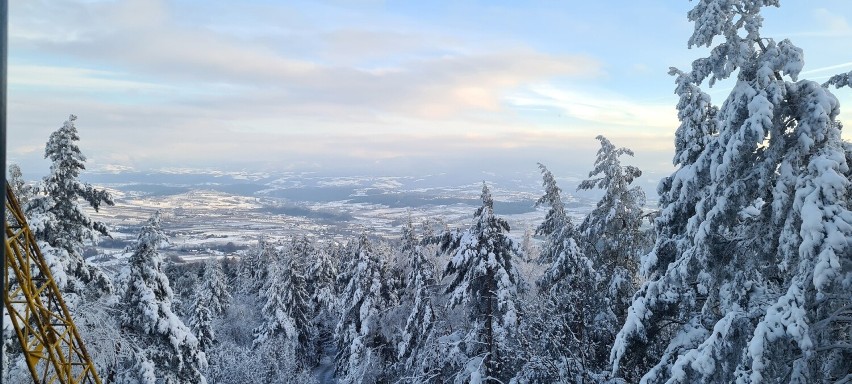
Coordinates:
x,y
322,275
565,338
485,281
167,347
287,310
611,232
272,362
678,193
321,279
618,214
213,289
557,227
753,284
57,218
301,248
839,80
358,335
252,270
569,330
23,191
421,319
394,272
201,321
346,255
528,246
211,300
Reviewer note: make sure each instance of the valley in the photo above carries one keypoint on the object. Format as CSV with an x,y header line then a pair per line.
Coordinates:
x,y
221,214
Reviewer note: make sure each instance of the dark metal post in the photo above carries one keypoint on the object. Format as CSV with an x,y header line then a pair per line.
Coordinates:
x,y
4,52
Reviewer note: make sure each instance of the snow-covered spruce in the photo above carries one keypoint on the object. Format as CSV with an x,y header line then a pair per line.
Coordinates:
x,y
611,233
166,349
362,347
252,271
556,224
752,285
57,219
419,326
485,281
560,244
564,335
211,301
201,322
287,310
840,80
322,275
23,191
213,289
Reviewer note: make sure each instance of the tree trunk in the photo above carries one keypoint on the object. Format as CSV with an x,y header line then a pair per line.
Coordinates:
x,y
491,348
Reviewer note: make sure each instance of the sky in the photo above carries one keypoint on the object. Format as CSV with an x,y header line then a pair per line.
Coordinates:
x,y
369,86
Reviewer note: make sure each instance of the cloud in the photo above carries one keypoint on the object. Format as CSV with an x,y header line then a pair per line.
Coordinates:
x,y
604,108
833,69
834,24
827,23
358,45
168,135
297,93
144,38
44,76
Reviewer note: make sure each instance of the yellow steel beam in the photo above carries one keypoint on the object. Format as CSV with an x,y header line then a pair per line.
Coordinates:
x,y
52,347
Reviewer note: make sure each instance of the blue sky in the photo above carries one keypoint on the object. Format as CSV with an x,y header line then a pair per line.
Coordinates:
x,y
369,86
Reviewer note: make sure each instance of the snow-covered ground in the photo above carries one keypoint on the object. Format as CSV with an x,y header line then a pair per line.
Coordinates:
x,y
209,219
324,372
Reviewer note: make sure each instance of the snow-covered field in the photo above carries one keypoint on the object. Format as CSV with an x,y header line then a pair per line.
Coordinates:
x,y
220,217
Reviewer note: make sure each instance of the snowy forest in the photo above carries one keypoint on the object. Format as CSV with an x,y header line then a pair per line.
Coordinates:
x,y
742,273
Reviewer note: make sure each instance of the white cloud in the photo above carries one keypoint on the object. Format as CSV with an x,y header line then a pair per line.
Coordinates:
x,y
834,24
604,108
75,78
832,69
145,38
294,94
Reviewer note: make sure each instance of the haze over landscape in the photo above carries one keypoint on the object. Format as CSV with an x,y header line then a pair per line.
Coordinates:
x,y
368,87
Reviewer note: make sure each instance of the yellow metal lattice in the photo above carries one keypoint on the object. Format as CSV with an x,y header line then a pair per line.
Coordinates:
x,y
50,342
